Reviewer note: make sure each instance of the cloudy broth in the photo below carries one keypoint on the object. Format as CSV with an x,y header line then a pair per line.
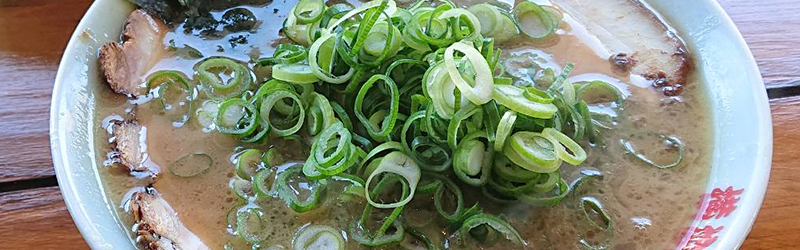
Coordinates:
x,y
649,207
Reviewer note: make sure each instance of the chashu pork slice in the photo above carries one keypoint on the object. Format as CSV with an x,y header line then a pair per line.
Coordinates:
x,y
128,141
125,64
627,27
158,226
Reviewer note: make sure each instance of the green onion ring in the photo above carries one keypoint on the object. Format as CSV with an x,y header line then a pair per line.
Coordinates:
x,y
545,20
402,165
248,163
375,153
308,11
504,129
294,73
480,93
494,222
674,142
263,182
389,120
455,123
217,88
592,204
329,134
269,102
533,151
317,189
509,171
324,48
318,237
425,163
448,184
252,233
562,142
513,98
473,157
246,122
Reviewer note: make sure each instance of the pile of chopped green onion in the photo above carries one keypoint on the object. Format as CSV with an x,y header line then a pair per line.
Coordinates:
x,y
406,102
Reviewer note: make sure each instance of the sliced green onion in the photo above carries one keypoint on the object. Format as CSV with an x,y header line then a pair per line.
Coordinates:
x,y
438,86
358,228
351,158
237,117
191,165
207,114
174,93
270,101
375,154
223,78
358,233
294,73
322,55
508,30
389,120
599,91
242,188
285,53
472,158
308,11
534,21
497,224
536,95
439,199
481,92
287,192
310,168
340,136
230,218
318,237
459,117
402,165
459,17
430,156
256,137
251,225
513,98
263,182
507,170
532,151
560,192
563,143
383,41
489,17
541,183
248,163
417,241
370,17
591,209
354,188
504,129
671,142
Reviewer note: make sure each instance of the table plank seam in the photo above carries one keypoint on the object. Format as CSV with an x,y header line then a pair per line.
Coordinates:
x,y
26,184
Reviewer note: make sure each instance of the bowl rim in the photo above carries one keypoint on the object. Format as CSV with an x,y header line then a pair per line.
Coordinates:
x,y
759,179
739,228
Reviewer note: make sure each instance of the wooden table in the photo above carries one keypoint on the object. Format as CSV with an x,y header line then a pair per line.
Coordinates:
x,y
33,34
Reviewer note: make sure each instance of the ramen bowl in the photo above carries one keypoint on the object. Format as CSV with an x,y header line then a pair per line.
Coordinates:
x,y
741,124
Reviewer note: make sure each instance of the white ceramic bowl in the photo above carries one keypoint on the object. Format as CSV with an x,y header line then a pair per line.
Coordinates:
x,y
742,125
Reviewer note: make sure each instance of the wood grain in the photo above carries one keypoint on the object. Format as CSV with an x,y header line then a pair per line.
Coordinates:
x,y
33,34
37,219
777,226
772,30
